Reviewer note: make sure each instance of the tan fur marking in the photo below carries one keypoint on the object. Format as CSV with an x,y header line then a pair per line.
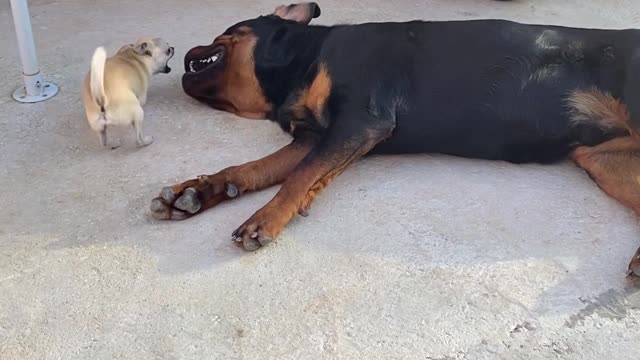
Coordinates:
x,y
319,92
315,97
614,165
240,84
595,106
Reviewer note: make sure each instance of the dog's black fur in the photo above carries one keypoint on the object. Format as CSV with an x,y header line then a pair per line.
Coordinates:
x,y
489,89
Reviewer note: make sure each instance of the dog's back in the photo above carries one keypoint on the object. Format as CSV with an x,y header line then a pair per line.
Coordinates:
x,y
481,99
126,74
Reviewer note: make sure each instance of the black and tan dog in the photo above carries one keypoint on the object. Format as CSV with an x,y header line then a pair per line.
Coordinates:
x,y
487,89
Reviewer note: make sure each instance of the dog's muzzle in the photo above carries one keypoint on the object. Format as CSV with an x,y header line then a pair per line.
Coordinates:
x,y
167,69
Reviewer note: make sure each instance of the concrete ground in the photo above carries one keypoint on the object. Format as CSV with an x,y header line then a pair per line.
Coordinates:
x,y
406,257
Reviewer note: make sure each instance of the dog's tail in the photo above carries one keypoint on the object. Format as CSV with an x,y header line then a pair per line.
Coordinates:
x,y
96,80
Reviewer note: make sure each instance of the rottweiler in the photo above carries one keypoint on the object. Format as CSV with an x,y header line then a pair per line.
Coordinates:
x,y
485,89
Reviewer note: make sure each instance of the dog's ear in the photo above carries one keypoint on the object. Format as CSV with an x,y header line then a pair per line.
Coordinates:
x,y
301,13
125,47
142,49
276,49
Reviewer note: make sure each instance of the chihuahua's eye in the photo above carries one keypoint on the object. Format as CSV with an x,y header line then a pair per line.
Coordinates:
x,y
169,51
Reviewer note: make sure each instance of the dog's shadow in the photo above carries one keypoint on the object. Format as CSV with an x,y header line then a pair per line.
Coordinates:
x,y
437,213
427,211
446,210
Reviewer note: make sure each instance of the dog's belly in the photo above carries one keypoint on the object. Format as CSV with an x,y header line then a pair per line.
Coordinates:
x,y
482,135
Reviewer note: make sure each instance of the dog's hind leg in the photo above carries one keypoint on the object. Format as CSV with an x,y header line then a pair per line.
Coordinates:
x,y
613,164
100,127
104,139
615,167
138,119
103,136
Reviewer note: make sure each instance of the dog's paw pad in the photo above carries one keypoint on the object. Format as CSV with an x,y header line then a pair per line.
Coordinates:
x,y
159,210
251,240
193,196
162,211
147,140
167,194
634,266
189,201
251,245
232,190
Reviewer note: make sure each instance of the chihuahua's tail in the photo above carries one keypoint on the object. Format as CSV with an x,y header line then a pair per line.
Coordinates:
x,y
96,80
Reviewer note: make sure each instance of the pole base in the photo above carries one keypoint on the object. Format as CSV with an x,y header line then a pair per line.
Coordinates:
x,y
47,91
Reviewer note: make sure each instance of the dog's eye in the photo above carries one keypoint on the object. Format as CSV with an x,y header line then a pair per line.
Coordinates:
x,y
169,51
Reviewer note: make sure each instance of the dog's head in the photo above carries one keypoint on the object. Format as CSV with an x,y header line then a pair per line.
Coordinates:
x,y
233,72
155,52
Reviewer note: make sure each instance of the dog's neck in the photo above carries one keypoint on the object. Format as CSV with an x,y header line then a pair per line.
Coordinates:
x,y
294,66
143,61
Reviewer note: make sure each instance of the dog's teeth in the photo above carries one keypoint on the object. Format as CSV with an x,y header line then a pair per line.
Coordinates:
x,y
193,64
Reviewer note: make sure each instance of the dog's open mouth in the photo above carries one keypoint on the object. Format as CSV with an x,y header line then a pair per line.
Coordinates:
x,y
199,64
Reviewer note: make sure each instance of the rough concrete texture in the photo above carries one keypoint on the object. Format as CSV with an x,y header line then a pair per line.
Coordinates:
x,y
405,257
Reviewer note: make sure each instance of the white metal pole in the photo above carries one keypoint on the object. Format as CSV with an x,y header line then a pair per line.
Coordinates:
x,y
34,89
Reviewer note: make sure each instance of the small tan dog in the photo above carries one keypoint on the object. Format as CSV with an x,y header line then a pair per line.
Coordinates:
x,y
115,89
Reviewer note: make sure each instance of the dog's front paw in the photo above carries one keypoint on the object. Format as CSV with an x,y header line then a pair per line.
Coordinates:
x,y
261,229
184,200
145,141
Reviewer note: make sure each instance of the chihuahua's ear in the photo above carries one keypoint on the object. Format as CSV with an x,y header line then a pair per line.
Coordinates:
x,y
125,47
142,49
301,13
